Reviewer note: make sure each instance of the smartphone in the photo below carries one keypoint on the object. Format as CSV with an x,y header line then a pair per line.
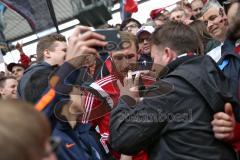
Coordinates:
x,y
112,37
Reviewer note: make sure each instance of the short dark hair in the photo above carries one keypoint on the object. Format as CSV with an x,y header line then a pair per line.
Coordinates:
x,y
125,22
3,80
179,37
47,42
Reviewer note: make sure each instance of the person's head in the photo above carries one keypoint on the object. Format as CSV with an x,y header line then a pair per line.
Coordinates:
x,y
159,16
125,59
233,13
232,9
143,36
16,69
172,40
24,132
196,6
8,87
215,19
52,49
200,28
178,15
130,25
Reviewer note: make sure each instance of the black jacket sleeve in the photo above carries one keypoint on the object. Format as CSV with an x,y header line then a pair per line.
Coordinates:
x,y
134,126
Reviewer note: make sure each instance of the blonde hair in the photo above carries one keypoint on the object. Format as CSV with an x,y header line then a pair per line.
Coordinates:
x,y
23,131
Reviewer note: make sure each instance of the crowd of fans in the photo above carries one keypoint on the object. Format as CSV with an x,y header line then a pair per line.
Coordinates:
x,y
170,91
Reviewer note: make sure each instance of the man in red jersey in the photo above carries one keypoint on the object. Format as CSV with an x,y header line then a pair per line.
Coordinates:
x,y
122,61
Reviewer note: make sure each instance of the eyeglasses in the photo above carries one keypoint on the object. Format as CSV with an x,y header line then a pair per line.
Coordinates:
x,y
132,26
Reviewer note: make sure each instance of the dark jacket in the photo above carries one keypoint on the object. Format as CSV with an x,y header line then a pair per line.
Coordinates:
x,y
230,65
174,119
78,143
34,82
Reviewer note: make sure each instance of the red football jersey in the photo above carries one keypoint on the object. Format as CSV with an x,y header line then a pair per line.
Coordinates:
x,y
98,115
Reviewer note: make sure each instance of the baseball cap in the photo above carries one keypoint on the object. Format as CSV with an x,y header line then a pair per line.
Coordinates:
x,y
156,12
11,65
148,29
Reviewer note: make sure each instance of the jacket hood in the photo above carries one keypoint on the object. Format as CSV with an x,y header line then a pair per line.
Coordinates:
x,y
203,71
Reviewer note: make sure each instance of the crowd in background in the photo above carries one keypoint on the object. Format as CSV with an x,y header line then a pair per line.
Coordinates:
x,y
169,91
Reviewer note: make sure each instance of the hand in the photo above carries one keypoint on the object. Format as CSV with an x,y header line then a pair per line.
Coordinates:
x,y
130,85
19,47
224,123
81,45
125,157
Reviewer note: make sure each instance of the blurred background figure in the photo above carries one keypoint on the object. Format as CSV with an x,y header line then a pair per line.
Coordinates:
x,y
8,87
16,69
130,25
208,42
196,6
179,15
159,16
144,38
24,133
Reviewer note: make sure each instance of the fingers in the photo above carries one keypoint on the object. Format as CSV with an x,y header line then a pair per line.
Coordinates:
x,y
223,136
223,125
78,30
120,86
221,122
223,116
229,110
136,80
92,35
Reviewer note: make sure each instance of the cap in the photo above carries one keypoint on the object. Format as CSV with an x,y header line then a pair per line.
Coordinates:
x,y
156,12
148,29
11,65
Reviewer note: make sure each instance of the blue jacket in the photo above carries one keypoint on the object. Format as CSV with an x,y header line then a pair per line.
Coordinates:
x,y
77,143
230,65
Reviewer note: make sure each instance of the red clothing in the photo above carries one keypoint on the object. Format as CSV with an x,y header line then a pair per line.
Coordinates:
x,y
25,60
107,88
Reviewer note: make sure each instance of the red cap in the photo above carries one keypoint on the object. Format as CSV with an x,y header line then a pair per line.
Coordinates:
x,y
154,13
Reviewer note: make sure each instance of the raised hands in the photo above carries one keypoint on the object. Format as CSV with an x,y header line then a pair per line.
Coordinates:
x,y
81,46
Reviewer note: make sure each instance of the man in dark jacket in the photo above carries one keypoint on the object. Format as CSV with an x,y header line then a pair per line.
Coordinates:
x,y
173,120
51,52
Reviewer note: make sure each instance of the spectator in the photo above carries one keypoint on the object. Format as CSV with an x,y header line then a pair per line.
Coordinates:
x,y
196,6
159,16
143,35
216,21
79,141
24,59
8,87
178,15
16,69
208,42
24,133
121,61
186,87
51,52
130,25
226,124
186,6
